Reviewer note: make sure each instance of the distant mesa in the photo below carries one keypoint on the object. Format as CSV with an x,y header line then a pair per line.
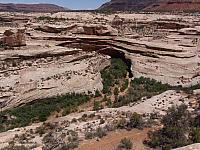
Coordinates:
x,y
117,5
45,8
152,5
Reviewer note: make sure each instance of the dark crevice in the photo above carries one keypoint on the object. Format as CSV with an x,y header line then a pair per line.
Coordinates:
x,y
118,54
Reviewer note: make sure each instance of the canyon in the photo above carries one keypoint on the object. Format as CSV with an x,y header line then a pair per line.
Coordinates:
x,y
44,56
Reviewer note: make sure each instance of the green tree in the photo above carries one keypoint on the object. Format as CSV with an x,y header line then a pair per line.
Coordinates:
x,y
136,121
175,128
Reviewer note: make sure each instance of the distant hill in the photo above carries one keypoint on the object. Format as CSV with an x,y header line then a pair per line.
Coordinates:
x,y
126,4
175,5
30,8
152,5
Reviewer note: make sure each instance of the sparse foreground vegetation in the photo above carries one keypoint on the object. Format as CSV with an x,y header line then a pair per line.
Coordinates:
x,y
180,128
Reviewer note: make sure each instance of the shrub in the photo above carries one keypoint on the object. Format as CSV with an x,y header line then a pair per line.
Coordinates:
x,y
122,123
125,143
44,18
97,106
89,135
136,121
195,135
109,103
40,130
175,126
116,91
100,132
97,93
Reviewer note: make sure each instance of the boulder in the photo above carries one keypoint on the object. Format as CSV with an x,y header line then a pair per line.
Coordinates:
x,y
196,92
14,38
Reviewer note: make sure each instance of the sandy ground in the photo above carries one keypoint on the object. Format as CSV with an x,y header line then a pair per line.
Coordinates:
x,y
112,140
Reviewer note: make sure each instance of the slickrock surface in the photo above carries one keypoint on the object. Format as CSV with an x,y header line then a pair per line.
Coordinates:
x,y
190,147
33,74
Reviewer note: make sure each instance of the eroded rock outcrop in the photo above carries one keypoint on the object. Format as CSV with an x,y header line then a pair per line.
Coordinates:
x,y
14,38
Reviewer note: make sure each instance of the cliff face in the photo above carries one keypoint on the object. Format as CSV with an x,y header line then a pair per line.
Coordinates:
x,y
175,5
126,4
30,8
152,5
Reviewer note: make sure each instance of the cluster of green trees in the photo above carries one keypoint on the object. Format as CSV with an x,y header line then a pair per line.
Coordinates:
x,y
149,85
112,74
141,87
180,128
39,110
48,18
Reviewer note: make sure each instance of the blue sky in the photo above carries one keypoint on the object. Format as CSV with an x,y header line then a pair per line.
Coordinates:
x,y
72,4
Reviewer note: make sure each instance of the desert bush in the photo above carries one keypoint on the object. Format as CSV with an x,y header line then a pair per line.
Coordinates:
x,y
175,127
97,93
89,135
195,135
116,91
40,130
100,132
97,106
122,123
109,103
110,127
136,121
44,18
125,144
